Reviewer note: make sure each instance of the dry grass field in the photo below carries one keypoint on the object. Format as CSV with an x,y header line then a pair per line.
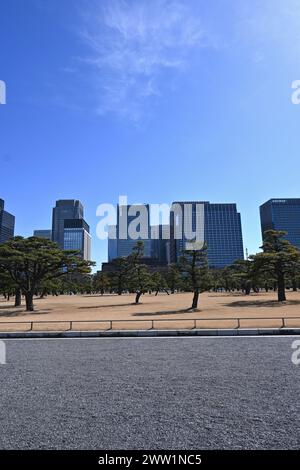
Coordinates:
x,y
216,310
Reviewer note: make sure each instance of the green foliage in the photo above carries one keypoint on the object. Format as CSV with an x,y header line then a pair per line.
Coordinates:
x,y
279,259
173,278
101,282
32,262
139,277
119,277
194,267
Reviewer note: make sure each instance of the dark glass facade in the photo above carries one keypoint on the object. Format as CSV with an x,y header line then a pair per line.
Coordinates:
x,y
43,233
160,243
77,237
112,243
125,245
64,209
7,224
222,233
282,214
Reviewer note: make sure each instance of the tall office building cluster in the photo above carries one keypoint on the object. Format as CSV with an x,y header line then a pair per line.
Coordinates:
x,y
222,230
7,223
69,229
222,235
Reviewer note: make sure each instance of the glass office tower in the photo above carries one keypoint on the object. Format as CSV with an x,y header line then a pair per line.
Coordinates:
x,y
126,216
282,214
160,244
112,243
64,209
77,237
222,232
7,224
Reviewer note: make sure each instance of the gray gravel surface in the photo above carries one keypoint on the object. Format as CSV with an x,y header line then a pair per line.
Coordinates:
x,y
166,393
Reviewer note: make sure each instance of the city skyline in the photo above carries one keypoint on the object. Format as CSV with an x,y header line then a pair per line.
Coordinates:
x,y
275,213
209,117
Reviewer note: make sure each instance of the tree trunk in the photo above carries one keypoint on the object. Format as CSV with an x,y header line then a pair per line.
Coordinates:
x,y
195,299
137,297
18,298
281,288
248,288
29,302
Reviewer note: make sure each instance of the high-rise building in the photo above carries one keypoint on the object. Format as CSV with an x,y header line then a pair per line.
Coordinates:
x,y
282,214
112,243
127,217
64,209
7,224
222,232
43,233
160,243
69,229
77,237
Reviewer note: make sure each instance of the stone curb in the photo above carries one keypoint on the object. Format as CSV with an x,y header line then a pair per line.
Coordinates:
x,y
151,333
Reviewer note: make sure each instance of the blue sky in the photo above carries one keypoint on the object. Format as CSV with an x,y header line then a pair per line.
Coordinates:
x,y
159,100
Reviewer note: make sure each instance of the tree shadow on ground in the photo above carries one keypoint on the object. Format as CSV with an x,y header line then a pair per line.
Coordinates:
x,y
166,312
23,313
236,294
107,306
261,303
98,295
5,307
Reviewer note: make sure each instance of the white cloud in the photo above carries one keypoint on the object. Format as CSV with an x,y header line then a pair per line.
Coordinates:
x,y
132,44
272,24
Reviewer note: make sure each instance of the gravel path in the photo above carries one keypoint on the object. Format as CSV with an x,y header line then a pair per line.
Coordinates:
x,y
167,393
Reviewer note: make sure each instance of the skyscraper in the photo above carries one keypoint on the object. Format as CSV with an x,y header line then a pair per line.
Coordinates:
x,y
69,229
77,237
127,215
222,232
64,209
112,243
282,214
7,224
160,243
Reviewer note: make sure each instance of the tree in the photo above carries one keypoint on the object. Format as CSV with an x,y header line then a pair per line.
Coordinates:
x,y
101,282
173,278
245,276
194,267
278,259
32,261
119,276
140,278
8,288
158,283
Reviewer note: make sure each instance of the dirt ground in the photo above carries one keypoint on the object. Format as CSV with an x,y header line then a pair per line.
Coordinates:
x,y
216,310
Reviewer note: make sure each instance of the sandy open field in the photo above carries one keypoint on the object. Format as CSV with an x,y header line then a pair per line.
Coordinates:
x,y
216,310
